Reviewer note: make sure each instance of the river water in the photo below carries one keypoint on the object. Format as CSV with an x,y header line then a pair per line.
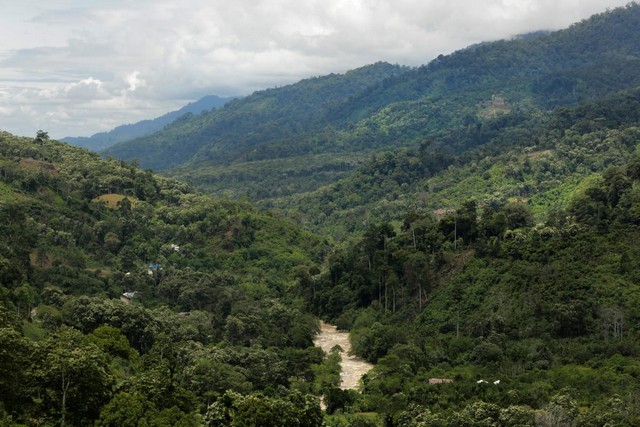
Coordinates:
x,y
353,368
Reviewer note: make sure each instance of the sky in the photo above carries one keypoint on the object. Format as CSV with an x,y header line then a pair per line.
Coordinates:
x,y
77,67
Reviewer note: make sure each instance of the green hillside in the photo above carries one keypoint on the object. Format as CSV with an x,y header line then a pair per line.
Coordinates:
x,y
539,159
238,131
293,140
127,296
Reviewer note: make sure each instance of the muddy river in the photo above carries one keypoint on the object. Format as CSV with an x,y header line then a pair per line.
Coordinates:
x,y
353,368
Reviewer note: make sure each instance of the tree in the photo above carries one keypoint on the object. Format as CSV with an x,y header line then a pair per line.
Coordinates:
x,y
515,415
478,414
416,272
417,416
127,259
135,410
111,241
336,398
517,215
174,417
112,341
462,224
42,136
375,240
222,411
73,375
14,353
24,297
562,410
375,245
126,410
257,410
160,381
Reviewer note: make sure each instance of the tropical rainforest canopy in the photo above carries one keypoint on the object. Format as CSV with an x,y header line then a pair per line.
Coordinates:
x,y
474,223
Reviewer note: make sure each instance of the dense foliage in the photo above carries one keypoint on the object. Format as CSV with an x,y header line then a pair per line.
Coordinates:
x,y
204,286
520,317
540,159
488,207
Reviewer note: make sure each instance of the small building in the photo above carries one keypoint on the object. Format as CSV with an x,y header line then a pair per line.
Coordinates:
x,y
153,268
127,297
440,380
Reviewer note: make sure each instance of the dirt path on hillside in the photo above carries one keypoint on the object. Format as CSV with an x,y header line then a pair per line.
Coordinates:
x,y
353,368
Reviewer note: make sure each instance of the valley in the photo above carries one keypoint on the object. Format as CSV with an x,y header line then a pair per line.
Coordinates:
x,y
388,239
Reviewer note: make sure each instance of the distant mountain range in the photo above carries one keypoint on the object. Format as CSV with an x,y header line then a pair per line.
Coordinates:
x,y
249,129
290,147
123,133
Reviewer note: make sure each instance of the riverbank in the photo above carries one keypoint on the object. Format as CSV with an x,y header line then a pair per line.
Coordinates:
x,y
352,367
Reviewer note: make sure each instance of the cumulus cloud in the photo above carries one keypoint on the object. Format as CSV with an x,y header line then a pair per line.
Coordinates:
x,y
115,62
85,89
134,81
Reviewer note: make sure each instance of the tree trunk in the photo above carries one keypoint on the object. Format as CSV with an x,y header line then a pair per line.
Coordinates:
x,y
455,232
65,389
393,295
413,232
380,289
386,298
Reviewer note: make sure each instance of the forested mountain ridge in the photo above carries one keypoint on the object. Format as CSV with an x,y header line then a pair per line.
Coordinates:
x,y
122,133
589,59
539,159
127,298
265,157
271,115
